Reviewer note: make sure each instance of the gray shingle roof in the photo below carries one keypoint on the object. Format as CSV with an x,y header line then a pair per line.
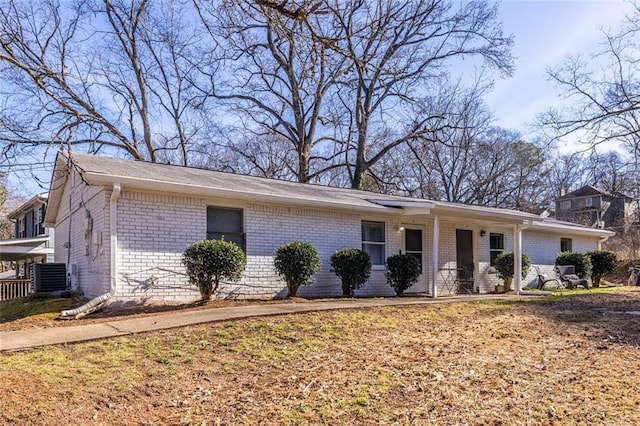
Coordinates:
x,y
99,170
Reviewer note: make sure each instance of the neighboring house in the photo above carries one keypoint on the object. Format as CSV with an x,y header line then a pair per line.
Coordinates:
x,y
123,226
590,206
32,242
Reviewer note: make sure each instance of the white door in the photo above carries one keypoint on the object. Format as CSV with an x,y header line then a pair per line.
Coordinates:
x,y
414,243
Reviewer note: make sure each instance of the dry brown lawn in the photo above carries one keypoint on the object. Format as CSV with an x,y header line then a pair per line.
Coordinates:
x,y
567,360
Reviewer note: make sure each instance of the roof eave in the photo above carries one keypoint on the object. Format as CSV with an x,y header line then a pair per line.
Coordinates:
x,y
192,189
567,228
26,206
510,216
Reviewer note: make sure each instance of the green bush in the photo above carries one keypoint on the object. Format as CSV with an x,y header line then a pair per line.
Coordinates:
x,y
353,267
402,272
297,262
603,262
210,261
505,266
580,262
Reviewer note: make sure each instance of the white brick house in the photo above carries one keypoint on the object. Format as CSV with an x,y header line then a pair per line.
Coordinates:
x,y
125,225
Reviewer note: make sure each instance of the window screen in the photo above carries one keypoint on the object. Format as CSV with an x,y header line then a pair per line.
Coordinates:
x,y
226,223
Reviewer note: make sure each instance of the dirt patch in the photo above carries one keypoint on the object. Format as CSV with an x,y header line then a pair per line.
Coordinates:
x,y
539,361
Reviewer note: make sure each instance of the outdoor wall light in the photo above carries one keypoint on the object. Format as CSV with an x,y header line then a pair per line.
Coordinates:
x,y
483,232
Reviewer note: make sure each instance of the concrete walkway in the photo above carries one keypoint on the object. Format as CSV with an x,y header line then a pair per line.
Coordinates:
x,y
31,338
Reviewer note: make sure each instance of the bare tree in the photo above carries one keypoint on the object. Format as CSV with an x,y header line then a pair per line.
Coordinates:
x,y
271,157
612,172
507,172
466,159
603,104
99,75
394,49
279,76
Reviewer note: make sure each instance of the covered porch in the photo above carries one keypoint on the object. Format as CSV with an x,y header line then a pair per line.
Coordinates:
x,y
20,254
455,244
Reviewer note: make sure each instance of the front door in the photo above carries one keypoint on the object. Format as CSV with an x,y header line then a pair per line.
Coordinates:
x,y
414,246
464,253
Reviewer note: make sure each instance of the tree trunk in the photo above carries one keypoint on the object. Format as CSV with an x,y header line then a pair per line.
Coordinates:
x,y
507,284
293,289
346,290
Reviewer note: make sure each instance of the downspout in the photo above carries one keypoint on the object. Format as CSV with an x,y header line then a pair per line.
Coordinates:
x,y
517,255
113,231
602,240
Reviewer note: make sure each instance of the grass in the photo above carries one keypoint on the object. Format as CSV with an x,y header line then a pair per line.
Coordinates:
x,y
560,360
11,310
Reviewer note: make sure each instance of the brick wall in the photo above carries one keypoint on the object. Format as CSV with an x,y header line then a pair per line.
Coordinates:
x,y
86,249
154,229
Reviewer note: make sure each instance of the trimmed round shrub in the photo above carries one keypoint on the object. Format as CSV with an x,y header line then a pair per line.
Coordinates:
x,y
505,266
297,262
580,262
353,267
209,262
603,262
402,272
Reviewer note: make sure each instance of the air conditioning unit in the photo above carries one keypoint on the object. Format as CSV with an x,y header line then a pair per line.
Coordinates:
x,y
48,277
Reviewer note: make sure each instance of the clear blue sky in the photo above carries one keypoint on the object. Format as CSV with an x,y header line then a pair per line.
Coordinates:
x,y
545,33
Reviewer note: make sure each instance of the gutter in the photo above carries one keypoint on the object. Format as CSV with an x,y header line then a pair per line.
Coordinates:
x,y
113,236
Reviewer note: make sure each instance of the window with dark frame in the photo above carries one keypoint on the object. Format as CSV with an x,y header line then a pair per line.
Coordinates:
x,y
21,227
496,246
374,241
226,223
38,221
566,244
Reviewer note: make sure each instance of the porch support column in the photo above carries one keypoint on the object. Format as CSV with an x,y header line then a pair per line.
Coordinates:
x,y
435,248
517,259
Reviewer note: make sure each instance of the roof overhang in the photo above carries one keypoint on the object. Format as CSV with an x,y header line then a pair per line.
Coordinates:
x,y
25,207
59,178
567,228
407,207
244,194
25,247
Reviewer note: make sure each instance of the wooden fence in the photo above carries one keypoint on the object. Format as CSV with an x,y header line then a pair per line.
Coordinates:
x,y
12,289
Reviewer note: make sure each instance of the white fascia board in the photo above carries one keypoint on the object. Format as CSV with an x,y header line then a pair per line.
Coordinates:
x,y
409,207
408,203
199,190
24,241
24,250
25,207
496,215
569,229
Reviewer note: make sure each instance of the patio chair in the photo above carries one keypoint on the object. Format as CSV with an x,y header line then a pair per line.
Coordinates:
x,y
543,279
569,278
465,282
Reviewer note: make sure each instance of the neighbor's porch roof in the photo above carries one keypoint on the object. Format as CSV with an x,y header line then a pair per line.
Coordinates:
x,y
11,250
